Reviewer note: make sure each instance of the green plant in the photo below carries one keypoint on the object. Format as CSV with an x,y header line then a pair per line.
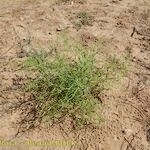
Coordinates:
x,y
69,87
83,18
117,68
64,89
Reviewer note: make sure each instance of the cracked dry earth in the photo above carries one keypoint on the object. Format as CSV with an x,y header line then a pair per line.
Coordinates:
x,y
125,26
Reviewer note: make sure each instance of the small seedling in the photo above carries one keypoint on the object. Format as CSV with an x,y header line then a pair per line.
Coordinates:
x,y
82,19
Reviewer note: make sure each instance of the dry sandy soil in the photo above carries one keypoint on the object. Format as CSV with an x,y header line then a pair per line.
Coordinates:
x,y
123,24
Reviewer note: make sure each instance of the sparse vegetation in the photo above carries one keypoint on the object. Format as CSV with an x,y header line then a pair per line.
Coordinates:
x,y
65,1
82,19
72,1
117,68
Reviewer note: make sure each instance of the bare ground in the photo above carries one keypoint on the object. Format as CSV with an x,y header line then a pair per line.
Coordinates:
x,y
123,24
